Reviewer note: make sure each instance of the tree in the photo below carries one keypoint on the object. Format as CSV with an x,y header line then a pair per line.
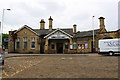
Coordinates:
x,y
5,41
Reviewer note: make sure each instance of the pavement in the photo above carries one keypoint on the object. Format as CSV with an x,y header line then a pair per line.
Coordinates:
x,y
18,54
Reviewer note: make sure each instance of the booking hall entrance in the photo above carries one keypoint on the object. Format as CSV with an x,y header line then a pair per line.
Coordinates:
x,y
58,41
59,47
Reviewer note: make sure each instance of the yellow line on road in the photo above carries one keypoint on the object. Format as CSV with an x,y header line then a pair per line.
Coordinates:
x,y
11,67
27,67
5,73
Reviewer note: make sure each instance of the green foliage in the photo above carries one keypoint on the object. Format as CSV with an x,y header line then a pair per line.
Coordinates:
x,y
5,35
5,44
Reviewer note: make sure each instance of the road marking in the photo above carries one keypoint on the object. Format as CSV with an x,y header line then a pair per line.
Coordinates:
x,y
15,73
11,67
5,73
26,67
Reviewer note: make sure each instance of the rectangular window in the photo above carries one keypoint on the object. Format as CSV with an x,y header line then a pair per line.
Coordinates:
x,y
71,46
66,46
83,45
33,42
74,46
25,42
25,45
18,43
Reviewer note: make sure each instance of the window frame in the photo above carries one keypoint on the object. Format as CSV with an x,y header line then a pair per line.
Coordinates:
x,y
33,41
25,39
66,46
83,45
18,42
74,45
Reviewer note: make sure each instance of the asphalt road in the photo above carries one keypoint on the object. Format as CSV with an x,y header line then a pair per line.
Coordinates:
x,y
61,66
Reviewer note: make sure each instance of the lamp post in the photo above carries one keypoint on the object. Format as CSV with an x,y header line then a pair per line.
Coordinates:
x,y
1,27
0,36
93,33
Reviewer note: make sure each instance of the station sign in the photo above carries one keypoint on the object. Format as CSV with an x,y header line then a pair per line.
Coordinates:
x,y
5,39
58,37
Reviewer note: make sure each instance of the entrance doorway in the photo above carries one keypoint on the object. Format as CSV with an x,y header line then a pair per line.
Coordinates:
x,y
59,47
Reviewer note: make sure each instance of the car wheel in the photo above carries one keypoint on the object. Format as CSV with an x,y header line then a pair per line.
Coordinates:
x,y
110,53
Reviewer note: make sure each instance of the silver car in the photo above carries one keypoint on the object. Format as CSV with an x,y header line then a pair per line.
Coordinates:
x,y
1,59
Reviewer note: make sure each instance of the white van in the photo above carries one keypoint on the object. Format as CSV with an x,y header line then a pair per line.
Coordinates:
x,y
109,46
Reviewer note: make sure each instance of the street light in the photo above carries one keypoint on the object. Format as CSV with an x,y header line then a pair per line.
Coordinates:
x,y
1,27
93,33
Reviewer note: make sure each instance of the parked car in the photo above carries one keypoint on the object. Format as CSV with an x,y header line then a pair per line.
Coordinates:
x,y
1,59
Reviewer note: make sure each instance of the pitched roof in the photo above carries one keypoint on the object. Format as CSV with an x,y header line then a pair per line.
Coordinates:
x,y
27,27
86,33
60,31
47,31
44,31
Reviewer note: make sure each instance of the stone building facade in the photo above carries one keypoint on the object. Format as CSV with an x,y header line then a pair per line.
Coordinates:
x,y
28,40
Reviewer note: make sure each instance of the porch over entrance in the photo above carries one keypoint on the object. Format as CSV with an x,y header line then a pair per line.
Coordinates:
x,y
58,42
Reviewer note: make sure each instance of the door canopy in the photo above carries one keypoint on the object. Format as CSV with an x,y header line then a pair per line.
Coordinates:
x,y
58,34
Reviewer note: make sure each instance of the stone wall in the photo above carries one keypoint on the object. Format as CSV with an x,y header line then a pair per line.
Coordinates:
x,y
25,33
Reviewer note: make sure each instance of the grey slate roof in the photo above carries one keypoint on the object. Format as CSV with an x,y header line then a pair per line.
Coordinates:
x,y
46,31
86,33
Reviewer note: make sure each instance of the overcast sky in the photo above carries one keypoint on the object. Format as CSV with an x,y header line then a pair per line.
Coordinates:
x,y
65,13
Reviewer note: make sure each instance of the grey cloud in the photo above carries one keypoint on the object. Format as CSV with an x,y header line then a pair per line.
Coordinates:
x,y
64,15
49,7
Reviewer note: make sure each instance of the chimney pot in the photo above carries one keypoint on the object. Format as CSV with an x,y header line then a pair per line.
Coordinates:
x,y
74,28
50,23
42,24
102,25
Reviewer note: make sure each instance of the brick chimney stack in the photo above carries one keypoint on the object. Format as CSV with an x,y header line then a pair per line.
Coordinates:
x,y
50,23
42,24
102,25
74,28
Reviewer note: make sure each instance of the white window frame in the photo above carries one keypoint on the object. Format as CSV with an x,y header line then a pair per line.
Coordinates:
x,y
74,45
25,39
66,44
33,40
17,40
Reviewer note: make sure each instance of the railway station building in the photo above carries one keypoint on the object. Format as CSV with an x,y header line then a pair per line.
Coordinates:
x,y
57,41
